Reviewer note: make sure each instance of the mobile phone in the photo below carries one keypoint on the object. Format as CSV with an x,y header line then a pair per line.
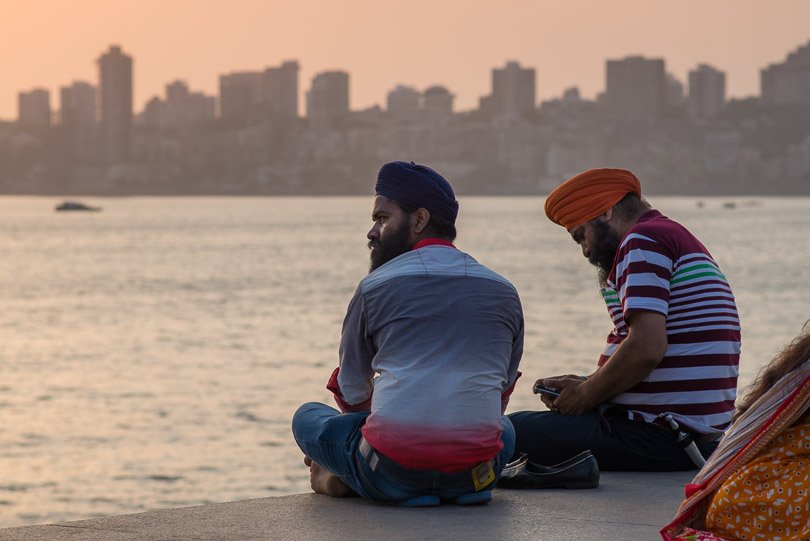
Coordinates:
x,y
545,390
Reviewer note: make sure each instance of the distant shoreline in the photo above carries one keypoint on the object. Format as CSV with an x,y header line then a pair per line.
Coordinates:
x,y
779,191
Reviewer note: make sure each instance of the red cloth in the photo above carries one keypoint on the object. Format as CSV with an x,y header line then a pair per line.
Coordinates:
x,y
432,242
344,406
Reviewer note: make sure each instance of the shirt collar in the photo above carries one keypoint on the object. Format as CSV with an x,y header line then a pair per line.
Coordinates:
x,y
649,215
432,242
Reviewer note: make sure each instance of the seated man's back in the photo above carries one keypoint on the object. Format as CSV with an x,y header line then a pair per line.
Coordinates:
x,y
439,328
428,358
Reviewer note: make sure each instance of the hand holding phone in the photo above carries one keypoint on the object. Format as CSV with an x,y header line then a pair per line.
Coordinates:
x,y
537,389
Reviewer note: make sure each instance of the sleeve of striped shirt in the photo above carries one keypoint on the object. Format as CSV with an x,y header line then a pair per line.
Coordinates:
x,y
643,273
356,354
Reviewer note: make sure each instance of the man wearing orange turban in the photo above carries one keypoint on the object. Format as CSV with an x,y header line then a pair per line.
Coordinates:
x,y
672,355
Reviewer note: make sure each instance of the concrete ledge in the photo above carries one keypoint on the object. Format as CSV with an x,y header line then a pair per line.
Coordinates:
x,y
625,506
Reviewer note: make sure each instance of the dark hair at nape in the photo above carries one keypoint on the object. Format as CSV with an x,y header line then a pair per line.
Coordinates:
x,y
631,206
442,228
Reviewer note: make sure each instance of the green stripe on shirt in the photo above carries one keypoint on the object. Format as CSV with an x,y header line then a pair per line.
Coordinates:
x,y
698,275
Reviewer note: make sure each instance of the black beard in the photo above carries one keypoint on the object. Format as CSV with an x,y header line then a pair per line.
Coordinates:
x,y
604,253
384,250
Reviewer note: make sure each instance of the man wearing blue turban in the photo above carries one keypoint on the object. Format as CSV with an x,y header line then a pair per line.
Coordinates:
x,y
429,355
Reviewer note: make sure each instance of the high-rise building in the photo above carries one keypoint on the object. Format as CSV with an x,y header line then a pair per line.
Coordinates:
x,y
77,105
404,101
177,91
239,96
328,98
707,92
154,113
184,108
674,91
438,102
253,96
788,83
279,90
115,104
636,88
34,108
77,118
513,92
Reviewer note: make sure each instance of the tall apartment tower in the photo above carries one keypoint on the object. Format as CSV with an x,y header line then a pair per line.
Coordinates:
x,y
513,91
77,118
404,101
438,102
636,88
239,96
279,90
788,83
328,98
182,108
115,104
34,108
707,92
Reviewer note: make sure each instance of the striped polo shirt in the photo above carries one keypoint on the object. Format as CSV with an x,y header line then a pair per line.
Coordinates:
x,y
661,267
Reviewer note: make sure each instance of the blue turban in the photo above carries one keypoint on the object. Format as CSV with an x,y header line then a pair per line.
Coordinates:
x,y
417,186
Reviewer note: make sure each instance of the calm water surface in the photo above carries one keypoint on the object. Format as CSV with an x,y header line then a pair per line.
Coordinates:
x,y
152,354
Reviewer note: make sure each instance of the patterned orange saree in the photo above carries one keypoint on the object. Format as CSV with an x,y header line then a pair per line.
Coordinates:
x,y
736,495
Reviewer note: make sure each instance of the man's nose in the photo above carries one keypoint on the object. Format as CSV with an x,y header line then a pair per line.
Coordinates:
x,y
373,233
585,251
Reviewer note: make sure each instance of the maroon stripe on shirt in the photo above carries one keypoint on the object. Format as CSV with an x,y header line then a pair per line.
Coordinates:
x,y
654,292
715,318
709,408
698,337
707,310
697,323
686,361
684,385
713,295
689,260
644,267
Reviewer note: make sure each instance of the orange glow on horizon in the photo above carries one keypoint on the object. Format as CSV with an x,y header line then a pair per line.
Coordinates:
x,y
384,43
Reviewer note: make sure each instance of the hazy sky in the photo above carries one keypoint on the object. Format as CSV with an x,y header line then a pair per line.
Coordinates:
x,y
48,43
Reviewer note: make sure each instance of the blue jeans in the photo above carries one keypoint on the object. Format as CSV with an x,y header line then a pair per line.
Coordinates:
x,y
332,439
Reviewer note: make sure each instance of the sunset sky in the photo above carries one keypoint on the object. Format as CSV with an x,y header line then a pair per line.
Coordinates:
x,y
382,43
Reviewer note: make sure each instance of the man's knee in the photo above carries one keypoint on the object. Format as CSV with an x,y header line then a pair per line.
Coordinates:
x,y
532,421
305,415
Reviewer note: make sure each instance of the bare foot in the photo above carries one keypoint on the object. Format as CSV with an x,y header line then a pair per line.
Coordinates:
x,y
325,482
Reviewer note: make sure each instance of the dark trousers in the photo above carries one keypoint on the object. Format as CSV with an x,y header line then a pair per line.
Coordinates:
x,y
617,442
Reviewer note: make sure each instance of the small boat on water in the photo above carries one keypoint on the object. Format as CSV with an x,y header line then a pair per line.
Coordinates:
x,y
75,205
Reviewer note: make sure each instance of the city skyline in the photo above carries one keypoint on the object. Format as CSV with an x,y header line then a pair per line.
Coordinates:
x,y
279,88
735,46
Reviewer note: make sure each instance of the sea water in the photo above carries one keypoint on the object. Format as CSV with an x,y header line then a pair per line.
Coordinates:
x,y
153,353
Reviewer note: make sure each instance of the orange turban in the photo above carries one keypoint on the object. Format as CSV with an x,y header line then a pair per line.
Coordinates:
x,y
589,194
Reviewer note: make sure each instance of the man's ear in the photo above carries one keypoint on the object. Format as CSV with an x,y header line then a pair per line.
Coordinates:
x,y
419,220
608,214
